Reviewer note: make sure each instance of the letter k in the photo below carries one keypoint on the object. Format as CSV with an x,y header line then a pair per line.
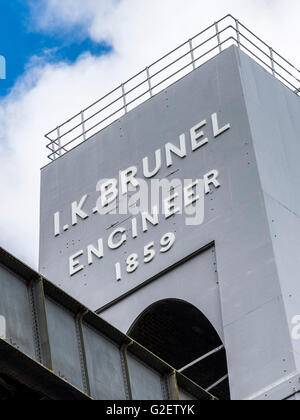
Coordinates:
x,y
77,210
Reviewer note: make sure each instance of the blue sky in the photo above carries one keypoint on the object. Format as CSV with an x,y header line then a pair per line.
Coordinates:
x,y
20,41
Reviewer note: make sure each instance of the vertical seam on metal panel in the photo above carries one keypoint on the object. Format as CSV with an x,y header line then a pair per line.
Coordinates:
x,y
82,354
46,353
165,387
125,371
35,326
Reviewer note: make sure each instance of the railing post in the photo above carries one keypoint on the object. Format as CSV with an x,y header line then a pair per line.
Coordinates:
x,y
237,25
218,37
192,54
52,145
124,98
58,141
272,61
83,125
149,81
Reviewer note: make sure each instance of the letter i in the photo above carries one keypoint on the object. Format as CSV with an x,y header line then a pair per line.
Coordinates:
x,y
57,224
118,272
134,228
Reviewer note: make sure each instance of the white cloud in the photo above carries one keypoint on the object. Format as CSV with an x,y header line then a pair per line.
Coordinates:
x,y
140,31
152,26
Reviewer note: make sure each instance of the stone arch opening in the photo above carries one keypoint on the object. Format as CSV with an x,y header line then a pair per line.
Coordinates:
x,y
180,334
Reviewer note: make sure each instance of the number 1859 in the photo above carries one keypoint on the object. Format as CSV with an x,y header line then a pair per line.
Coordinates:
x,y
150,251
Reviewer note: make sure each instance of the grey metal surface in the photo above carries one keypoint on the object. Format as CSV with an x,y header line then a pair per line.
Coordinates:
x,y
104,365
64,351
161,74
275,124
248,289
127,142
14,299
143,378
64,344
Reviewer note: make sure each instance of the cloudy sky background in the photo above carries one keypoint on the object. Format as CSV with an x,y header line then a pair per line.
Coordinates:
x,y
64,54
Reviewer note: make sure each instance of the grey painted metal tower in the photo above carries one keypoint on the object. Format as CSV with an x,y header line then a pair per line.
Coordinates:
x,y
217,297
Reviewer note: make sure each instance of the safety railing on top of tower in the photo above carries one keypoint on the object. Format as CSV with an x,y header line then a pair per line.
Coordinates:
x,y
158,76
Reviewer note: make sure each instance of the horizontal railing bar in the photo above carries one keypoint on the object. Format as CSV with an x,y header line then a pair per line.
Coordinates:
x,y
116,100
172,63
200,359
167,55
185,43
253,34
91,128
268,56
192,50
266,45
111,92
189,64
210,27
55,143
102,121
109,116
144,81
290,64
238,30
285,80
138,74
267,65
92,116
144,93
86,109
60,126
217,383
101,110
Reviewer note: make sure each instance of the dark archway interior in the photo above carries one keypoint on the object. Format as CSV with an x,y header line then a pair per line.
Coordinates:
x,y
179,333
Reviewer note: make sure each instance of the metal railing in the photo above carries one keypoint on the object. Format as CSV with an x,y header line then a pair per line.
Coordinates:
x,y
173,66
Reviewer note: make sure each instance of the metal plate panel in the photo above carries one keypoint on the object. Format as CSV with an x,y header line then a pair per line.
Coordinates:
x,y
64,343
248,346
104,367
145,383
16,312
274,117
